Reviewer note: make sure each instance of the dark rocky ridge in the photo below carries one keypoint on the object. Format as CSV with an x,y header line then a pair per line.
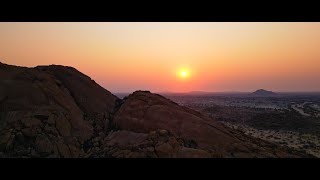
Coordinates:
x,y
56,111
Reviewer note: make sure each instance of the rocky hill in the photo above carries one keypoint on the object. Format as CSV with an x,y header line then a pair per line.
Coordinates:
x,y
56,111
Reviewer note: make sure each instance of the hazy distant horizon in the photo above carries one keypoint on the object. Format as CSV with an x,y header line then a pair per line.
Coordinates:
x,y
169,92
173,56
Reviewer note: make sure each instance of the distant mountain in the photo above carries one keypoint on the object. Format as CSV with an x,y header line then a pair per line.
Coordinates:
x,y
262,92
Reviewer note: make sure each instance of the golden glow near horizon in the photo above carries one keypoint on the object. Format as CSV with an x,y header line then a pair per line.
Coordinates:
x,y
123,57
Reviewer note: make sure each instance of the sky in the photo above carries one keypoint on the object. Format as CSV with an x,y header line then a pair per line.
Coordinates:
x,y
173,56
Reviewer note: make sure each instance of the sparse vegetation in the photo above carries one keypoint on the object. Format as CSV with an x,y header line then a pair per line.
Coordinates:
x,y
270,118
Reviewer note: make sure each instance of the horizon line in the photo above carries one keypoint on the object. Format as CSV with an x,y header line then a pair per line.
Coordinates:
x,y
186,92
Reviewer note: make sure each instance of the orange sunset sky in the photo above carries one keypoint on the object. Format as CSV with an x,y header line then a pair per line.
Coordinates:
x,y
178,57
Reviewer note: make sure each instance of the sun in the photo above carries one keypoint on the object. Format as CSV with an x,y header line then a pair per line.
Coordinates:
x,y
183,73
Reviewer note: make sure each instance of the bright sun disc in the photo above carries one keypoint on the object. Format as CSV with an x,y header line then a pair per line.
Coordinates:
x,y
183,73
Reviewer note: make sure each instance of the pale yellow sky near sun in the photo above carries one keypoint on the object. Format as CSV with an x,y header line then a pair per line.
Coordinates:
x,y
123,57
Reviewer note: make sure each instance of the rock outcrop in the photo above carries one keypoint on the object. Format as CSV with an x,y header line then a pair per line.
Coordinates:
x,y
50,111
56,111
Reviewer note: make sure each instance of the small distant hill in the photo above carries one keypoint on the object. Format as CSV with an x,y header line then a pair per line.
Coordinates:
x,y
262,92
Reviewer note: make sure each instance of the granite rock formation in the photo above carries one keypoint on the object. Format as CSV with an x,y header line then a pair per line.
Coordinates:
x,y
56,111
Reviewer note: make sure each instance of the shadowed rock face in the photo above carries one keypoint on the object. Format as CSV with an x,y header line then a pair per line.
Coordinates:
x,y
144,112
88,95
160,143
50,110
56,111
